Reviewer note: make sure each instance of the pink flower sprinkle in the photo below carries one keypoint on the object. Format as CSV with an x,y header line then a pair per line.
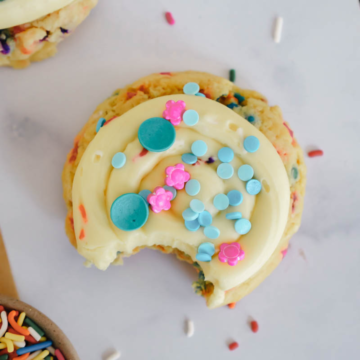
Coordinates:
x,y
169,18
231,253
174,111
284,252
176,176
160,199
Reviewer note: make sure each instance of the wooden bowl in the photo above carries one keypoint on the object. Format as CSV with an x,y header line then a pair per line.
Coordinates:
x,y
52,331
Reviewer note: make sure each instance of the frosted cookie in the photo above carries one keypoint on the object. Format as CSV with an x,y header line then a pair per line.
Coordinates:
x,y
187,163
31,29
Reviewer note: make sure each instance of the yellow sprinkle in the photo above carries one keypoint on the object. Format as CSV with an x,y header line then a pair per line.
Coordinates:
x,y
21,319
2,346
9,344
43,355
24,327
14,337
43,339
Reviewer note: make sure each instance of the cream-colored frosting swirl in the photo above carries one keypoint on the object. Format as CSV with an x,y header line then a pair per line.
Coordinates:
x,y
17,12
97,184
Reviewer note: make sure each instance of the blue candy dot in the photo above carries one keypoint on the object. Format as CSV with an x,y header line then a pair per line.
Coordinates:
x,y
200,94
206,248
245,172
239,98
225,154
144,194
100,124
221,202
129,212
189,158
211,232
205,218
192,187
189,214
191,88
190,117
253,187
234,215
203,257
232,105
235,197
118,160
156,134
251,144
199,148
197,205
242,226
192,225
172,189
225,171
251,118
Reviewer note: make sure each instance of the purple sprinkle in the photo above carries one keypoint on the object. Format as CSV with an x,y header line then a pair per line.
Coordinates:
x,y
46,36
64,31
5,47
210,160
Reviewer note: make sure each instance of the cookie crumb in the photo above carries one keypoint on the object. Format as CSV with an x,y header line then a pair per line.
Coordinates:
x,y
114,356
190,328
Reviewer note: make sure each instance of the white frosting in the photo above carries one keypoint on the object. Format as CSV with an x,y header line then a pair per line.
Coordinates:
x,y
97,184
17,12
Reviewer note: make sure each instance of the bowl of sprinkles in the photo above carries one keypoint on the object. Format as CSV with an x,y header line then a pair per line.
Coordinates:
x,y
27,334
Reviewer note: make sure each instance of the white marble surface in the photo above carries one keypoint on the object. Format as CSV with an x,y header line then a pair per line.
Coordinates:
x,y
309,307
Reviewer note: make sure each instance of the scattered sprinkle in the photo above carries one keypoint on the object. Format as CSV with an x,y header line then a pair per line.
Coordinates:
x,y
242,226
253,187
250,118
160,199
315,153
118,160
211,232
225,171
221,202
235,197
284,252
234,345
197,205
192,225
232,105
114,356
239,97
190,328
191,117
191,88
232,305
189,158
176,176
169,18
231,253
100,124
254,326
225,154
251,144
205,218
192,187
232,75
189,214
200,94
171,189
205,252
174,111
245,172
278,29
144,194
234,215
199,148
210,160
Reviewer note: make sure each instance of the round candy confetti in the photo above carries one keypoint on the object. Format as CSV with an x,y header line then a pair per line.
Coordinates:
x,y
235,197
211,232
205,218
197,205
144,194
189,214
199,148
221,202
192,225
253,187
225,154
234,215
225,171
191,117
189,158
118,160
129,212
242,226
205,251
191,88
251,118
172,189
245,172
251,144
200,94
100,124
156,134
203,257
192,187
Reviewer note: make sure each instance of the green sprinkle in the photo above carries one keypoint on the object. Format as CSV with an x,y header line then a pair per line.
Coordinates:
x,y
4,357
48,357
232,75
295,173
38,329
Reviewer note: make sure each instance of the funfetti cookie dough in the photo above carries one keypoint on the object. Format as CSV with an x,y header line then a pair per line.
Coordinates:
x,y
187,163
31,29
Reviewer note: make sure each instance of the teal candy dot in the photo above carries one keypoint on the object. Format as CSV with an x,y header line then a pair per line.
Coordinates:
x,y
242,226
225,154
234,215
211,232
192,225
197,205
172,189
251,118
294,173
206,248
100,124
203,257
235,197
205,218
221,201
192,187
253,187
189,158
129,212
144,194
118,160
245,172
190,117
251,144
199,148
191,88
189,214
225,171
156,134
200,94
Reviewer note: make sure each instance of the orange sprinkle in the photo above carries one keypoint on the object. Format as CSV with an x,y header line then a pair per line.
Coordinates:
x,y
82,234
233,346
15,325
130,95
74,152
315,153
22,357
254,326
83,213
232,305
